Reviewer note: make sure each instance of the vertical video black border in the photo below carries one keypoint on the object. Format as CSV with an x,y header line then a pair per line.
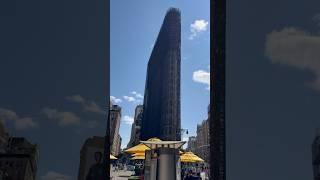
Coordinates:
x,y
103,35
217,117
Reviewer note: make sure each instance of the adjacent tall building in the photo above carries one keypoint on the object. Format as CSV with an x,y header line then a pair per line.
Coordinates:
x,y
200,144
136,127
90,146
202,141
192,144
4,136
115,139
316,157
18,157
161,114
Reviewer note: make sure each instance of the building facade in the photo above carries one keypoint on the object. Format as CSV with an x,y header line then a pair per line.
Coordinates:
x,y
136,127
203,141
20,159
117,145
115,139
90,146
4,136
161,114
316,157
192,144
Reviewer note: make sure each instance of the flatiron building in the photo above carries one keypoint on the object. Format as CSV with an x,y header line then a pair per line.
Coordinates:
x,y
161,115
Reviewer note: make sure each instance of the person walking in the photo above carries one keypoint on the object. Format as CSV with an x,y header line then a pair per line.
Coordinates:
x,y
202,174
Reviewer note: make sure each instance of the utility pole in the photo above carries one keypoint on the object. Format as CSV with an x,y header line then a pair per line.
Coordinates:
x,y
217,86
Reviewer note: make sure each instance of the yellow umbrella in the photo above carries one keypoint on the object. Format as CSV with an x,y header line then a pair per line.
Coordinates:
x,y
112,157
154,139
140,148
197,158
143,154
138,157
193,156
186,158
137,149
139,154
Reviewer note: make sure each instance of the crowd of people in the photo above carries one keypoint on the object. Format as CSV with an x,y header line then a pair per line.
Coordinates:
x,y
188,171
194,173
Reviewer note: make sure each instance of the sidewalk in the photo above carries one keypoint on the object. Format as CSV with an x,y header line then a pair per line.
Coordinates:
x,y
121,175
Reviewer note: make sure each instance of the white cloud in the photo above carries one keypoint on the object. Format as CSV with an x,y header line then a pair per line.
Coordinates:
x,y
197,27
317,19
297,48
124,144
129,98
127,119
6,114
92,124
134,97
76,98
185,139
115,100
137,95
202,76
88,106
25,123
91,106
21,123
63,118
51,175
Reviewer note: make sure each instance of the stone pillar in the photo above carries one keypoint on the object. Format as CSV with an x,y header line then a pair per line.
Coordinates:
x,y
167,164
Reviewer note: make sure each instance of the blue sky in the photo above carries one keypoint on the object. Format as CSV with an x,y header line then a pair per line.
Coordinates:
x,y
134,28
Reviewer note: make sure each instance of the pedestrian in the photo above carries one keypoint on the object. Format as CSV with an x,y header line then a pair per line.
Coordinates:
x,y
198,177
191,175
96,171
182,173
187,176
202,174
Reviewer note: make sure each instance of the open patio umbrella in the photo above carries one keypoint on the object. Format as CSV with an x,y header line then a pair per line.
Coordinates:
x,y
112,157
192,156
138,157
140,148
143,153
139,154
185,158
198,159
